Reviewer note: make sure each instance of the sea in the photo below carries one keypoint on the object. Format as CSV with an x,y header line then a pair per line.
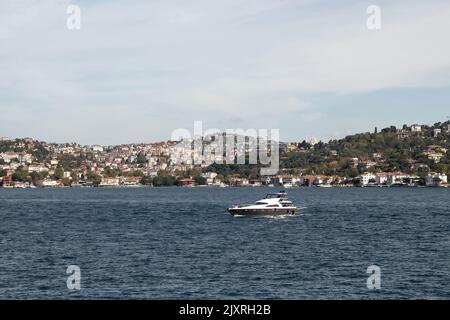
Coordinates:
x,y
181,243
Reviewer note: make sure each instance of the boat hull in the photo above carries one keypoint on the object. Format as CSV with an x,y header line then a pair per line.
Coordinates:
x,y
263,212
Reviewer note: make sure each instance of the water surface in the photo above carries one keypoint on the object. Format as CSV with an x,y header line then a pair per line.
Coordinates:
x,y
180,243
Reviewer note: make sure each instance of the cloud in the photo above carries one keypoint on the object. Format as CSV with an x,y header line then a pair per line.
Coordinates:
x,y
149,67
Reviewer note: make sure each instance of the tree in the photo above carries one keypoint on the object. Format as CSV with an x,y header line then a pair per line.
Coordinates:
x,y
110,173
21,175
37,177
162,179
352,172
147,180
59,174
199,180
74,176
66,182
95,178
141,158
138,173
254,173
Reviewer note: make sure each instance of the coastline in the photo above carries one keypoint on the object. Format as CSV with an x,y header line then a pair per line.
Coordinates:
x,y
228,186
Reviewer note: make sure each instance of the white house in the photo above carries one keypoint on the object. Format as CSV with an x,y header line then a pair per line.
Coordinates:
x,y
437,132
382,178
436,179
435,156
109,182
416,128
366,178
25,158
8,156
210,177
50,183
97,148
389,178
37,168
396,177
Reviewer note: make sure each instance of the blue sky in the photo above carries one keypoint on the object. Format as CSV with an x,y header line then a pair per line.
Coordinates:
x,y
138,70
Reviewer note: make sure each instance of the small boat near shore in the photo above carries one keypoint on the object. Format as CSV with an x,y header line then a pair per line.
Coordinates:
x,y
274,204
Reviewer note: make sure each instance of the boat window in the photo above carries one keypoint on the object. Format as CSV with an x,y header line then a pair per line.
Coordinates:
x,y
280,195
273,206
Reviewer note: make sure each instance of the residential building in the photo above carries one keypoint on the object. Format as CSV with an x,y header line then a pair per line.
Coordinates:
x,y
210,177
97,148
436,179
37,168
109,182
382,178
242,182
366,165
9,156
130,181
255,183
353,162
402,134
437,132
7,181
367,178
189,182
436,157
50,183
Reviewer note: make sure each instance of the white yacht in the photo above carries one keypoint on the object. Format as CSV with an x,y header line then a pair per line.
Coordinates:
x,y
273,204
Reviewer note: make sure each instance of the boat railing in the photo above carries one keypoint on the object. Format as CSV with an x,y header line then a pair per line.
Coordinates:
x,y
242,205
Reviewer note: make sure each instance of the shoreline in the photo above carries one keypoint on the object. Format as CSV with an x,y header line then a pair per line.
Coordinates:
x,y
222,187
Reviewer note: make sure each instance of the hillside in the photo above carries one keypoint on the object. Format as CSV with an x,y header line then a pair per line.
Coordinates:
x,y
410,149
415,149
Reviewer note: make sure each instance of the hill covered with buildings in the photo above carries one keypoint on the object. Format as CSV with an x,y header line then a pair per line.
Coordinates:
x,y
411,155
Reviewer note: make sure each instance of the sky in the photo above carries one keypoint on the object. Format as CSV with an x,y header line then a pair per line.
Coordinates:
x,y
138,70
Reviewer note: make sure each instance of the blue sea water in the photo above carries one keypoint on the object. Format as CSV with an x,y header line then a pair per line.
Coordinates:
x,y
180,243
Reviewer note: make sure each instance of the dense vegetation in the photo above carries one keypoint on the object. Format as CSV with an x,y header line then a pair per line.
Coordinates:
x,y
387,148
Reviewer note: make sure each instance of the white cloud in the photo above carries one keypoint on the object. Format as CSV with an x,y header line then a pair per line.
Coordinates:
x,y
166,63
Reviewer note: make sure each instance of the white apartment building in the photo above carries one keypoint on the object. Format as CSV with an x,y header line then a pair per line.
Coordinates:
x,y
210,177
436,179
416,128
97,148
437,132
37,168
365,178
50,183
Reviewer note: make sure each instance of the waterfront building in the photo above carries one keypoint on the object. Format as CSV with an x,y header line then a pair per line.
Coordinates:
x,y
436,179
50,183
367,178
109,182
188,182
210,177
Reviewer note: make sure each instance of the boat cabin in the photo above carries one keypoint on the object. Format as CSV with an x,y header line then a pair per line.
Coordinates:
x,y
279,195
